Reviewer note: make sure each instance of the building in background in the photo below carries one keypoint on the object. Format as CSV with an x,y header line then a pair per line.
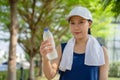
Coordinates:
x,y
113,42
4,53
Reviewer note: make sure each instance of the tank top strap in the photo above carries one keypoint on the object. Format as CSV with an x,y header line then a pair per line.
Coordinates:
x,y
61,72
63,46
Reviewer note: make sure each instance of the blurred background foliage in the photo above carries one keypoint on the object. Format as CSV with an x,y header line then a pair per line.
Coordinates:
x,y
35,15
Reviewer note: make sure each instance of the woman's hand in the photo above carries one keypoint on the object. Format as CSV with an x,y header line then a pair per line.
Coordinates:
x,y
50,68
45,48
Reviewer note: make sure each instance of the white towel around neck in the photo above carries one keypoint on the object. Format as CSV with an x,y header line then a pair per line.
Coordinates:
x,y
94,55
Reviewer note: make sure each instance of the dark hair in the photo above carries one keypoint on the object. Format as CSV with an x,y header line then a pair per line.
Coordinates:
x,y
89,31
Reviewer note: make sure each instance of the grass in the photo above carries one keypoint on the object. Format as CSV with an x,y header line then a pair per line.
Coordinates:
x,y
4,74
114,79
56,78
43,78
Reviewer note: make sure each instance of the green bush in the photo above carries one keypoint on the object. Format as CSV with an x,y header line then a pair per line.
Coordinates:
x,y
3,75
114,70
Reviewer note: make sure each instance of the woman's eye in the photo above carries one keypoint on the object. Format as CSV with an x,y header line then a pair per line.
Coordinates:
x,y
81,22
72,23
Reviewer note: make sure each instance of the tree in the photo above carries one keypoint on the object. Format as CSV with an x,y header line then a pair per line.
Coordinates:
x,y
36,16
4,19
13,40
115,6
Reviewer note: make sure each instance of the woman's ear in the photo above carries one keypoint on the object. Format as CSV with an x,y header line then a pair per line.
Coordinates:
x,y
90,23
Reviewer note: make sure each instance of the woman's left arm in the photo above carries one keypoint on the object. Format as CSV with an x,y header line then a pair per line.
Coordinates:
x,y
104,68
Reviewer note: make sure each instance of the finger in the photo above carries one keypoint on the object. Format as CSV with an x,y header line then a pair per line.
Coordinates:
x,y
46,48
46,45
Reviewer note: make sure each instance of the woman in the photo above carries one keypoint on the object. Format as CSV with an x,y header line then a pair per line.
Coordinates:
x,y
82,57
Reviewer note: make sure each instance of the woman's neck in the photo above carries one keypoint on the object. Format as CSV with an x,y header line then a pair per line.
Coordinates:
x,y
81,40
80,45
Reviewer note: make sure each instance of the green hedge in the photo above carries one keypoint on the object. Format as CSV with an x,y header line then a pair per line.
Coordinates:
x,y
114,69
3,75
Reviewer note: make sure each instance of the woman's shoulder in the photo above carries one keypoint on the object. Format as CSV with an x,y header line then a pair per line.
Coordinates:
x,y
61,47
106,55
104,50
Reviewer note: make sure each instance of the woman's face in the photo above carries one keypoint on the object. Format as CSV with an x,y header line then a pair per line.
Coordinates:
x,y
79,26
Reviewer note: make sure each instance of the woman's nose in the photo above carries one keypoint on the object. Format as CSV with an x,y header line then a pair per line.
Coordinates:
x,y
77,26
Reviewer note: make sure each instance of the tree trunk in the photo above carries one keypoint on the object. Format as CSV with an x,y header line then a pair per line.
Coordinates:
x,y
32,53
31,73
13,40
40,67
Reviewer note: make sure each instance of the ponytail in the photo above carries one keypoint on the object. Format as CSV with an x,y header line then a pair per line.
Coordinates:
x,y
89,31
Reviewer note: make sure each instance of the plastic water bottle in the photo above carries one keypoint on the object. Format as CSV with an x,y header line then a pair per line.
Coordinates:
x,y
48,35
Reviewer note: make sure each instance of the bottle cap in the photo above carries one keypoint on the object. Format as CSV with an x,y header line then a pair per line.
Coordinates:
x,y
46,29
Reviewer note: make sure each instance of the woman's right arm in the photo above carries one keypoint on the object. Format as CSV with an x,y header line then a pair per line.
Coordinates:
x,y
50,68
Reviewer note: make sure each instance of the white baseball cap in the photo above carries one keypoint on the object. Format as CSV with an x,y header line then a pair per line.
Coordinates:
x,y
80,11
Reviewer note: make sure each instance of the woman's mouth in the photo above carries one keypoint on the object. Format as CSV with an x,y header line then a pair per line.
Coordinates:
x,y
77,33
